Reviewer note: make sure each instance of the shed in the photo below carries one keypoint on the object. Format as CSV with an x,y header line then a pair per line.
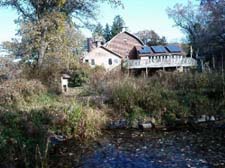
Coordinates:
x,y
64,82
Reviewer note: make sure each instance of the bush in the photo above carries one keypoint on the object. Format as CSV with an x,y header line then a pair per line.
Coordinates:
x,y
166,96
83,122
24,135
29,115
8,69
124,95
20,133
19,90
78,78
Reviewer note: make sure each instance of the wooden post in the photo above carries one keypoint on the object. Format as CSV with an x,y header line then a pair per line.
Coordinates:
x,y
143,73
128,66
202,64
146,71
223,76
222,64
213,61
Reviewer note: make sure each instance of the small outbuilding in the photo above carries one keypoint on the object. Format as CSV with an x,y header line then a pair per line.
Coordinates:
x,y
64,82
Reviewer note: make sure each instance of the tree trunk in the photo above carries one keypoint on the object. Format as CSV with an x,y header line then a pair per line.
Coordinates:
x,y
42,49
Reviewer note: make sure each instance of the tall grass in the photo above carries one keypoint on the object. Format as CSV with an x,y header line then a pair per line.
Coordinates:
x,y
29,115
164,96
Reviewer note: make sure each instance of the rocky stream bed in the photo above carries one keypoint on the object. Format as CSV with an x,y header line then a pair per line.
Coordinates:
x,y
150,149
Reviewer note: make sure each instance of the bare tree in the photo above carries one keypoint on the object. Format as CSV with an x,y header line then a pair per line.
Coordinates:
x,y
150,37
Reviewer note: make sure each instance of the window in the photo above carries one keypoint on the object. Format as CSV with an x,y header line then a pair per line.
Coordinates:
x,y
92,62
116,61
110,61
86,61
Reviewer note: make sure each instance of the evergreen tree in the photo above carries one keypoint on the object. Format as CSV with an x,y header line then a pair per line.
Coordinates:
x,y
117,26
107,33
98,31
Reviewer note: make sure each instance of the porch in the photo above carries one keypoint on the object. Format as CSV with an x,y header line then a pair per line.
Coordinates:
x,y
161,62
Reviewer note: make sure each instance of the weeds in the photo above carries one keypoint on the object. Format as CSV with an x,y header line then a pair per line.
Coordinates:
x,y
29,115
165,96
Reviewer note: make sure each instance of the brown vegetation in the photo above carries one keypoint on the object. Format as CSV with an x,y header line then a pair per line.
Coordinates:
x,y
166,96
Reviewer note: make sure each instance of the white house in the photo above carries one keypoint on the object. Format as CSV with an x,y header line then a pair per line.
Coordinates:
x,y
103,57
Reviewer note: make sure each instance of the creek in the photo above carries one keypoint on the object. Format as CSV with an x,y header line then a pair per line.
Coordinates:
x,y
152,149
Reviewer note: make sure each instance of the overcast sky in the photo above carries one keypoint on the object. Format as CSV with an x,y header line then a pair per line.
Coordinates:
x,y
138,15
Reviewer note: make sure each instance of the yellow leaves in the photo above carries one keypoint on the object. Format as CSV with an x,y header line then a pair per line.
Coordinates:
x,y
61,3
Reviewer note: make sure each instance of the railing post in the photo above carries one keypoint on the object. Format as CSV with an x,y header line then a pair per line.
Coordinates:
x,y
146,71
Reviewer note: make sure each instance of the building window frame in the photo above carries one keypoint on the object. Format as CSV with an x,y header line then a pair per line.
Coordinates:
x,y
110,61
92,61
116,61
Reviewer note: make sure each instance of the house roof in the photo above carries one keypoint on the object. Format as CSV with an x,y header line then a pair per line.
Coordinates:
x,y
66,76
103,48
123,44
132,35
126,44
110,51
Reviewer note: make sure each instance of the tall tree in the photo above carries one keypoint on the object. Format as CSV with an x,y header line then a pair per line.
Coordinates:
x,y
204,2
107,32
216,19
150,37
117,26
48,16
192,21
204,26
98,32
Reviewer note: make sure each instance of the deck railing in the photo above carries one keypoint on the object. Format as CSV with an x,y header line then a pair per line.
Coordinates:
x,y
160,63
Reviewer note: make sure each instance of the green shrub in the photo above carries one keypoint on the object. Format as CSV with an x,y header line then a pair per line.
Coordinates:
x,y
20,133
165,96
78,78
83,122
136,115
124,95
25,131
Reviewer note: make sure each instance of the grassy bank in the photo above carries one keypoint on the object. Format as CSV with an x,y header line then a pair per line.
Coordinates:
x,y
165,97
31,119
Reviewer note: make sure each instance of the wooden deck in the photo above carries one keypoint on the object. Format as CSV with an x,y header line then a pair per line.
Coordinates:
x,y
161,63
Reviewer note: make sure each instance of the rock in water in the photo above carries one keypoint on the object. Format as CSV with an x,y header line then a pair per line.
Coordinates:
x,y
145,126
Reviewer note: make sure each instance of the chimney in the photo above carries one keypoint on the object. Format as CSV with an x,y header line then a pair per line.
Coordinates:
x,y
98,44
124,29
89,44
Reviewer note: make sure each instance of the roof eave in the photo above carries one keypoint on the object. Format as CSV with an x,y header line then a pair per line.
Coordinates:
x,y
111,51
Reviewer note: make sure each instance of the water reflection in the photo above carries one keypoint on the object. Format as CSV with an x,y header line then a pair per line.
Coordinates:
x,y
147,150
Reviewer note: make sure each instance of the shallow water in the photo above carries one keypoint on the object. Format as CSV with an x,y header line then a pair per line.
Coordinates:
x,y
134,149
